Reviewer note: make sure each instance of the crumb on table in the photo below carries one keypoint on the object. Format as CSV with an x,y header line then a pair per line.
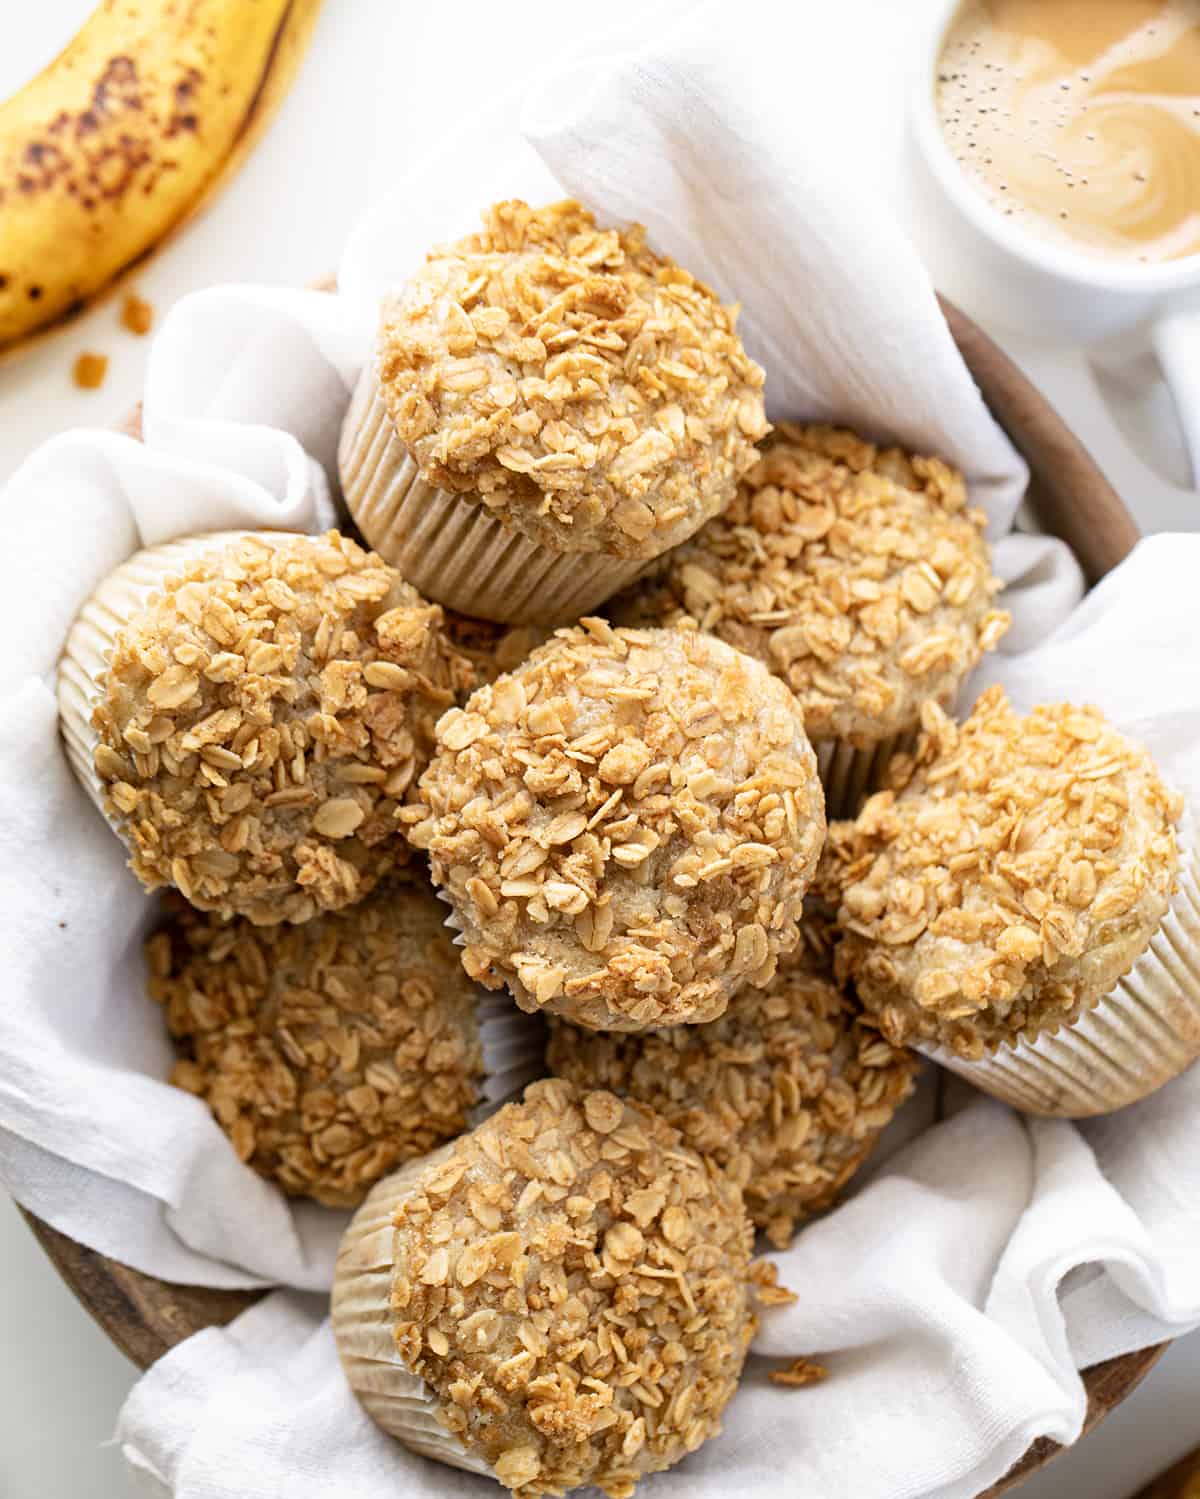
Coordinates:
x,y
137,314
90,370
800,1372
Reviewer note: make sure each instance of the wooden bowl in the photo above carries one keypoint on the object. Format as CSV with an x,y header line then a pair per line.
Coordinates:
x,y
146,1317
1180,1482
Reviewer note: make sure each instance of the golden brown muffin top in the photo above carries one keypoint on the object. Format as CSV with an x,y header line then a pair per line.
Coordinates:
x,y
1017,871
587,391
787,1092
574,1286
329,1052
858,575
261,719
625,825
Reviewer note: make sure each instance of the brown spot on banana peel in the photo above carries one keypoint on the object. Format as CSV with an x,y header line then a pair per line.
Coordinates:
x,y
112,148
106,170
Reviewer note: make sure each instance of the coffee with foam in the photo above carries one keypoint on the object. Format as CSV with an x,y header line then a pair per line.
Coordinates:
x,y
1080,119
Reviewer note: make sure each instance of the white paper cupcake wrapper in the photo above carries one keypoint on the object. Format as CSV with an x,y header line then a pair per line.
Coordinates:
x,y
84,661
513,1043
450,548
1139,1037
850,775
514,1053
396,1399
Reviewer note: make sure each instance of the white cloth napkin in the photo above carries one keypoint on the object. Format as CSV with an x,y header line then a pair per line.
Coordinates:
x,y
933,1290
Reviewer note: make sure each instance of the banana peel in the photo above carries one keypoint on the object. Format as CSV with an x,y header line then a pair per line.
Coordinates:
x,y
125,135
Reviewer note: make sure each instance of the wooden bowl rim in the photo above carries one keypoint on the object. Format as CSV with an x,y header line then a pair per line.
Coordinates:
x,y
1178,1482
146,1317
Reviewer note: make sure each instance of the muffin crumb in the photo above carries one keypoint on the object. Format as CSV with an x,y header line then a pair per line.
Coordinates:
x,y
489,650
764,1277
786,1092
137,315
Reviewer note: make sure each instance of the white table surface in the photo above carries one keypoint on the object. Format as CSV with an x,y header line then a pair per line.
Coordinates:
x,y
354,120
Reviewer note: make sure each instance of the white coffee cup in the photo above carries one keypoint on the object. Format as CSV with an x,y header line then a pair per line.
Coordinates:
x,y
1050,291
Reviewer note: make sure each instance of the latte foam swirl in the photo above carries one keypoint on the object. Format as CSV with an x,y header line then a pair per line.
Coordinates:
x,y
1090,138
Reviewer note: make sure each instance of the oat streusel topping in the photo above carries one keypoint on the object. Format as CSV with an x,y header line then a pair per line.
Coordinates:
x,y
1014,875
487,649
787,1091
587,391
329,1052
262,719
625,826
575,1286
858,575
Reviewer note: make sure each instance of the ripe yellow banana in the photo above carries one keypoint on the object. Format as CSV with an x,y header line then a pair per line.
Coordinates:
x,y
119,139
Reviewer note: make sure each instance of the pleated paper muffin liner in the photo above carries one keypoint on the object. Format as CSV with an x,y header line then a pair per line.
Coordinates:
x,y
850,775
514,1052
88,649
1140,1036
450,548
396,1399
513,1041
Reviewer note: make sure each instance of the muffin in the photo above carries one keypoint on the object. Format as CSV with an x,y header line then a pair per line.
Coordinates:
x,y
624,826
858,575
787,1092
332,1052
1018,907
550,406
249,710
560,1299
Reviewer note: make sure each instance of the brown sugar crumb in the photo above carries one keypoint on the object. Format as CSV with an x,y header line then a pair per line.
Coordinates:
x,y
586,390
89,371
858,575
1015,872
574,1287
787,1091
261,721
800,1372
329,1052
625,826
136,315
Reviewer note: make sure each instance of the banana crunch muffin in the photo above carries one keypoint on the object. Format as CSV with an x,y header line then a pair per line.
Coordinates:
x,y
624,826
561,1298
858,575
262,717
1015,873
329,1052
787,1092
585,390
